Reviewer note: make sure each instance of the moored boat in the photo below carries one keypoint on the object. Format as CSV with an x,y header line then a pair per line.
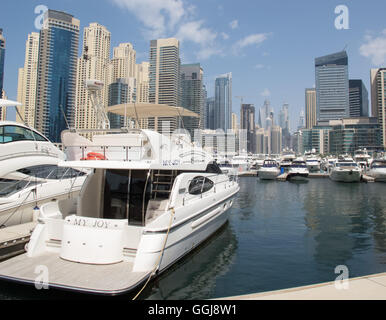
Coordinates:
x,y
298,170
346,170
269,170
149,201
377,170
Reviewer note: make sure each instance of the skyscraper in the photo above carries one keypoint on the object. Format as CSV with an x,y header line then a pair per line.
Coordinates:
x,y
119,92
247,122
26,89
266,115
164,77
284,117
223,102
2,57
310,95
142,79
359,99
191,94
123,62
92,65
378,99
332,87
209,114
56,79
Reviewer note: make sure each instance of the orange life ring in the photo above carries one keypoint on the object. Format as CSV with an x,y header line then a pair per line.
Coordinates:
x,y
94,156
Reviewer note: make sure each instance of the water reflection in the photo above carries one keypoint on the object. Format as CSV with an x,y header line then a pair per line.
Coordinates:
x,y
195,277
340,217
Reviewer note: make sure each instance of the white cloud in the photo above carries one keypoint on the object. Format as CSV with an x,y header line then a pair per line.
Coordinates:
x,y
259,66
224,35
158,16
234,24
194,31
163,18
265,93
375,48
253,39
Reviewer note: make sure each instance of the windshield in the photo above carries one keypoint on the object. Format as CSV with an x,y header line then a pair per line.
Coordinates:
x,y
346,165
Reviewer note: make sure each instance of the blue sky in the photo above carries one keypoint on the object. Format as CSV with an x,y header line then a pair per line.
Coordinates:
x,y
269,46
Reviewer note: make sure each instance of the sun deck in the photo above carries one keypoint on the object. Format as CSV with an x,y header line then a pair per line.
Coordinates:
x,y
108,279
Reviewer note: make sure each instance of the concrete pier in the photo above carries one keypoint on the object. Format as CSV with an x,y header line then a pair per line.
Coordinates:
x,y
372,287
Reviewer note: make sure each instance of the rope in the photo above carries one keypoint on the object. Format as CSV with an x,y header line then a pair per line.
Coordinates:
x,y
18,207
160,256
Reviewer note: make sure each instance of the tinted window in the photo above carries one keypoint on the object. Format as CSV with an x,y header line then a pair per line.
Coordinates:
x,y
9,187
16,133
213,167
51,172
200,185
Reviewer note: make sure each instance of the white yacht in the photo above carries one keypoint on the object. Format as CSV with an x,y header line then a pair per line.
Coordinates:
x,y
241,163
377,170
362,158
313,163
298,170
227,168
346,170
149,200
269,170
30,176
286,159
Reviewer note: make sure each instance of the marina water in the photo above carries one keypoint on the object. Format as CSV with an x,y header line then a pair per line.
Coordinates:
x,y
280,235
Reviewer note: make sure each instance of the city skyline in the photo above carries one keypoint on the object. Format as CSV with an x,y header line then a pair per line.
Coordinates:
x,y
261,56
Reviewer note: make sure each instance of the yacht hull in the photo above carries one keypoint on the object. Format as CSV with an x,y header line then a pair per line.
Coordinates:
x,y
297,176
345,176
378,175
127,275
268,174
21,210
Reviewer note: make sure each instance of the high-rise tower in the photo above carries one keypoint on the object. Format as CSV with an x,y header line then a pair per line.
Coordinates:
x,y
26,89
56,78
332,87
92,65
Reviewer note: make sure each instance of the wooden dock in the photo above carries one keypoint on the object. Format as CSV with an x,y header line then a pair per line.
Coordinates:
x,y
372,287
14,238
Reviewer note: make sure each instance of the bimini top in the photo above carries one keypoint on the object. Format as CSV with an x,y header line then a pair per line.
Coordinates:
x,y
146,110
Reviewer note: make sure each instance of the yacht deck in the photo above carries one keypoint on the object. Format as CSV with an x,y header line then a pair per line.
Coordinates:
x,y
108,279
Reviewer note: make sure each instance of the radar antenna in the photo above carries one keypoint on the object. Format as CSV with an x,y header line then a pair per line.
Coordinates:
x,y
94,87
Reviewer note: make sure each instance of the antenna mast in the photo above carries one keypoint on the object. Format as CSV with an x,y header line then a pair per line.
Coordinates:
x,y
94,87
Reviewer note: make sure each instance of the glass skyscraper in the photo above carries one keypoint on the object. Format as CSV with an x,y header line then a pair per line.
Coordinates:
x,y
56,80
332,87
359,99
223,102
2,56
192,95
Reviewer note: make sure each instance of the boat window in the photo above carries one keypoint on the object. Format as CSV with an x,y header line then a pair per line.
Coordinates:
x,y
200,185
51,172
213,167
348,164
378,165
16,133
125,196
9,187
